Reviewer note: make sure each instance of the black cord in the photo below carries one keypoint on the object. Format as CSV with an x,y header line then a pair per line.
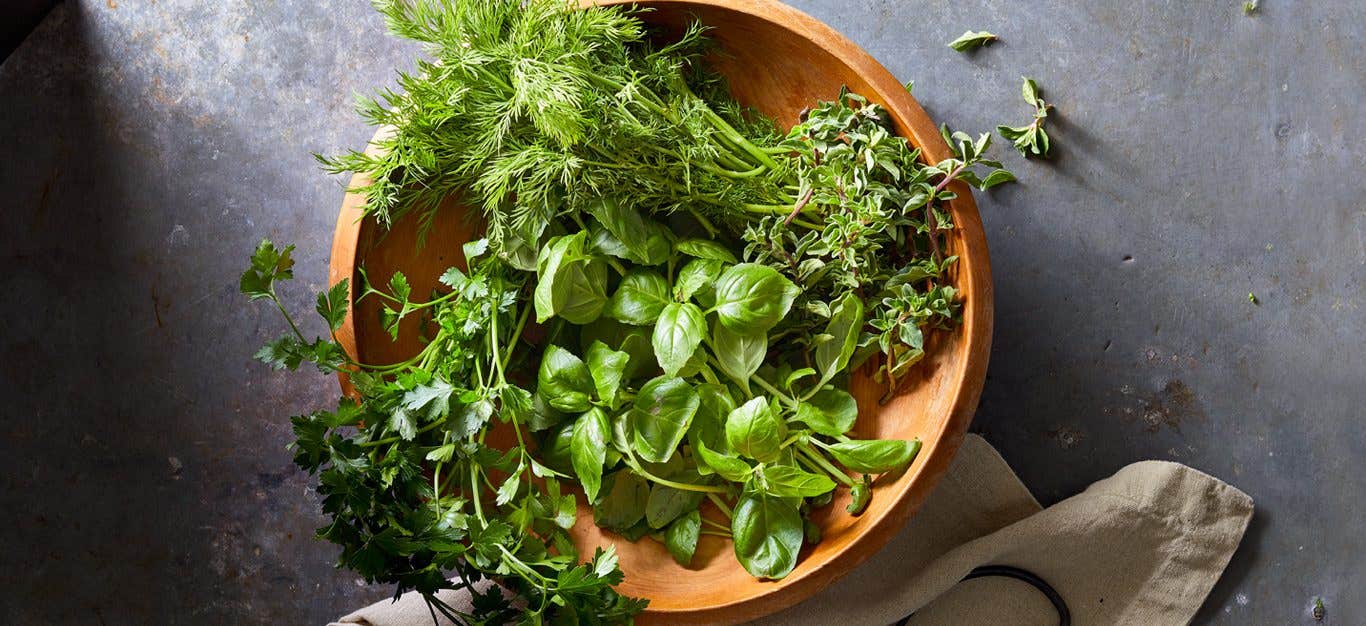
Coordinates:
x,y
1006,571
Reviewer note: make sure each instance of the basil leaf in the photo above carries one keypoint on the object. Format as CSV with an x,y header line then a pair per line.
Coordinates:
x,y
709,423
633,340
739,355
677,333
704,249
789,482
754,431
556,450
564,380
542,415
751,298
623,503
607,367
664,409
666,504
696,274
767,535
583,286
830,412
569,283
640,298
646,241
875,456
846,322
681,537
588,450
729,467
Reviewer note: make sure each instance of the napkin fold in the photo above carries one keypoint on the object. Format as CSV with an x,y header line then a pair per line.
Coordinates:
x,y
1144,546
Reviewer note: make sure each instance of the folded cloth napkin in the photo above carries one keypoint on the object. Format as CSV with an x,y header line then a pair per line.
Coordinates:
x,y
1141,547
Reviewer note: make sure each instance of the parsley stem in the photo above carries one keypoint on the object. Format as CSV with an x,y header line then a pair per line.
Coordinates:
x,y
516,335
395,438
288,318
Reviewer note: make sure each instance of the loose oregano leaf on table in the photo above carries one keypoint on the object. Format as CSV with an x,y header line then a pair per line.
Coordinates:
x,y
971,40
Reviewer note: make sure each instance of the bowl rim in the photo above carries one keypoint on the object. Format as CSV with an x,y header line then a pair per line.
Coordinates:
x,y
965,382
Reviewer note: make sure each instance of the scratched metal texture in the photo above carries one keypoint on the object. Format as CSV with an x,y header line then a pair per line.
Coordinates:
x,y
1201,154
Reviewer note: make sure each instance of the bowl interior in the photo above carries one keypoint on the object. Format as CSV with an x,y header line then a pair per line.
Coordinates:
x,y
778,61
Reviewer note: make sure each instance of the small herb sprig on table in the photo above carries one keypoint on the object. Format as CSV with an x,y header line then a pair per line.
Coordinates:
x,y
1030,139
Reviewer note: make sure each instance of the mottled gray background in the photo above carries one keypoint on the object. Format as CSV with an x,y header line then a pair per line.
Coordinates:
x,y
1201,154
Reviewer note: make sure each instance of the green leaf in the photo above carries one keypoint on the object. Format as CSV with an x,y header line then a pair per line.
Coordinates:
x,y
786,481
556,450
268,264
728,467
332,304
971,40
677,334
588,449
640,299
399,288
767,535
874,456
846,323
508,490
571,283
797,375
564,380
664,408
431,399
541,415
1030,91
704,249
403,422
646,241
738,355
752,298
666,504
681,537
441,454
754,431
830,412
709,423
474,249
996,177
624,501
697,274
607,367
471,418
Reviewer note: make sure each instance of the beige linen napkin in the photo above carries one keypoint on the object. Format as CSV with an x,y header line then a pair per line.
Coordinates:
x,y
1141,547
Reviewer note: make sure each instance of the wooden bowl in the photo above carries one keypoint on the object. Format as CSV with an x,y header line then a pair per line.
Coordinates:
x,y
779,61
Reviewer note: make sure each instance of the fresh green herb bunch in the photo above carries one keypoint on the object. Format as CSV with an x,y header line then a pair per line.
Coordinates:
x,y
415,493
868,218
534,109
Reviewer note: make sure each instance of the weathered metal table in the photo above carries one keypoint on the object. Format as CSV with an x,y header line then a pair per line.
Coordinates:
x,y
1201,155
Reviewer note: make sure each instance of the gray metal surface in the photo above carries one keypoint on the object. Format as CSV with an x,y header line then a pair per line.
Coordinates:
x,y
1201,155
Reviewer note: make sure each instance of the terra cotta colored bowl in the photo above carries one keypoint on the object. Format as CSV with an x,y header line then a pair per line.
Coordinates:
x,y
778,60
